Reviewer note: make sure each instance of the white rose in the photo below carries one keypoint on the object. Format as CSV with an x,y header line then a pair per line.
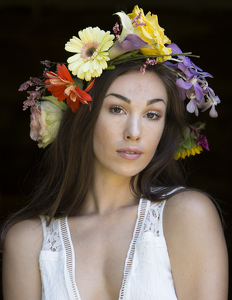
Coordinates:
x,y
45,121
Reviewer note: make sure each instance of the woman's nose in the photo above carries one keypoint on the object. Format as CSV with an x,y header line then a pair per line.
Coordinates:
x,y
133,130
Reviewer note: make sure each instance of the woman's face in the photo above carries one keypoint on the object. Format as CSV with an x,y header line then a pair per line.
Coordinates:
x,y
130,124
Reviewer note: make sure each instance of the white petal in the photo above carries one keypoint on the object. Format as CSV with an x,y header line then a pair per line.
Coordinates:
x,y
103,64
88,76
86,66
106,46
127,25
96,64
73,58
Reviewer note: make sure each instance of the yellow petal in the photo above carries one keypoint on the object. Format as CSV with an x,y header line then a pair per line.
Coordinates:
x,y
197,150
193,151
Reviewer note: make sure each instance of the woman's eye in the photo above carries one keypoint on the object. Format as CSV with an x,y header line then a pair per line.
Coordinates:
x,y
116,110
153,116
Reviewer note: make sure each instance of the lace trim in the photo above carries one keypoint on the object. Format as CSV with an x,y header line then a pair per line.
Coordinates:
x,y
52,241
139,224
153,222
69,256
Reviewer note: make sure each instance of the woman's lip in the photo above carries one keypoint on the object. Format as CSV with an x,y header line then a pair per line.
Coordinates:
x,y
131,150
129,153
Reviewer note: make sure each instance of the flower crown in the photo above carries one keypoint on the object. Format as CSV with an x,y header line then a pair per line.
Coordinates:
x,y
139,37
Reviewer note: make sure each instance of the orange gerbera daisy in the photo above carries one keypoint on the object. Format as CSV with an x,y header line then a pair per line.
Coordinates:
x,y
62,86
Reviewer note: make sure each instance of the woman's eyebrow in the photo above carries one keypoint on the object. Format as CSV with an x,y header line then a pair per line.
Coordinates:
x,y
149,102
119,97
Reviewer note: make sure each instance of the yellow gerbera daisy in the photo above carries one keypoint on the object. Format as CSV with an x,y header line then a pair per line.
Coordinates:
x,y
91,52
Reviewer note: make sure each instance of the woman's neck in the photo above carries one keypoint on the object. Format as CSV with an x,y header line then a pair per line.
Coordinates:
x,y
108,193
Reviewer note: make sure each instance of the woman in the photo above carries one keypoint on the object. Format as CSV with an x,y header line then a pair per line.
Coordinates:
x,y
112,200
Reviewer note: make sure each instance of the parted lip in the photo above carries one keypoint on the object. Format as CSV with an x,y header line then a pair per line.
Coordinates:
x,y
130,149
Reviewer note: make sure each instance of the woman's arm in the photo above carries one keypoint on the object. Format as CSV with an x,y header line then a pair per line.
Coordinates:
x,y
196,247
21,275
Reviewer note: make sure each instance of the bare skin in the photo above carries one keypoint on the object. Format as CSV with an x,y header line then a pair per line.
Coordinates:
x,y
105,225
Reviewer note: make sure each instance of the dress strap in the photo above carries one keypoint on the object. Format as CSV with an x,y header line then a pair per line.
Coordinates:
x,y
141,215
51,235
154,219
69,258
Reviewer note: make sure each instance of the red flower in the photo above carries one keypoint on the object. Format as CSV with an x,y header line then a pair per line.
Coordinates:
x,y
62,86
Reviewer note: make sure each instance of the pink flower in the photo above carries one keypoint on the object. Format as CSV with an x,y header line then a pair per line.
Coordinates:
x,y
35,123
45,121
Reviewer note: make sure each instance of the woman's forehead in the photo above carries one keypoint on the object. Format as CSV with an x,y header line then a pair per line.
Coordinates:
x,y
133,84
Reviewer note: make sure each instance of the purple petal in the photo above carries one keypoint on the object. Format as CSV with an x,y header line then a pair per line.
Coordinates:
x,y
191,106
175,48
201,103
213,113
203,142
182,93
170,65
198,91
199,69
183,85
187,62
185,70
205,74
211,92
196,110
206,105
136,41
194,72
190,73
130,42
182,67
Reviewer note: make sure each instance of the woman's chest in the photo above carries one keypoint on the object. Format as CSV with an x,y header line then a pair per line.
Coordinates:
x,y
101,262
100,255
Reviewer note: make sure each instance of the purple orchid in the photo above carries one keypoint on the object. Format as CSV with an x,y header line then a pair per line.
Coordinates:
x,y
194,104
185,60
191,84
130,42
211,101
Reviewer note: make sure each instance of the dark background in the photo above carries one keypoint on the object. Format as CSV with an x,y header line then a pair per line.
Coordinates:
x,y
31,31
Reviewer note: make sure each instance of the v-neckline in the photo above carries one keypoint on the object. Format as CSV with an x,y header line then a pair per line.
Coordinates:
x,y
70,253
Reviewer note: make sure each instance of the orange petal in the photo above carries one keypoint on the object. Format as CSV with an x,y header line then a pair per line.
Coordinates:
x,y
57,91
82,95
51,75
90,86
64,73
73,105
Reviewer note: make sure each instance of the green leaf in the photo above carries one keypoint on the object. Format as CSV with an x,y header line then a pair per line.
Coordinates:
x,y
187,143
54,100
112,67
186,132
78,82
199,125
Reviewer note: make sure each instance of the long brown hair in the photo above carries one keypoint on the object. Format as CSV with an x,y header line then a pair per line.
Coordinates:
x,y
66,170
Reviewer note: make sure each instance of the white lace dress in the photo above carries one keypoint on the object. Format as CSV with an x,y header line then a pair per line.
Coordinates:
x,y
147,271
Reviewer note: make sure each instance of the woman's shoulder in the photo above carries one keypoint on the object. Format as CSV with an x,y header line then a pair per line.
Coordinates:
x,y
188,211
190,206
25,234
196,244
21,276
